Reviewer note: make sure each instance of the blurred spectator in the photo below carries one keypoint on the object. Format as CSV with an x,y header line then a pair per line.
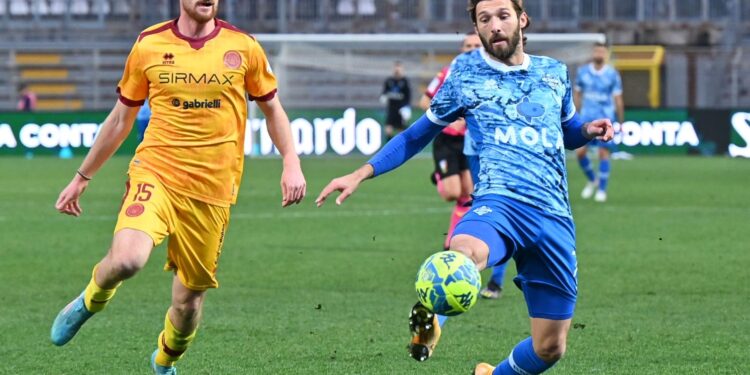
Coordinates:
x,y
27,102
396,96
361,7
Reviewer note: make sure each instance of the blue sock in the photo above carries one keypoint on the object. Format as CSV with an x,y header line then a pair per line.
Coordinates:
x,y
585,164
522,361
498,274
603,174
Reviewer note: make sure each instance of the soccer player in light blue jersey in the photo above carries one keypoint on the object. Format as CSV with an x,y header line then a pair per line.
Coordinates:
x,y
520,113
598,94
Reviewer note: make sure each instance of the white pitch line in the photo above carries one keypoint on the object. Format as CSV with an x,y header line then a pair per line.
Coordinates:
x,y
317,214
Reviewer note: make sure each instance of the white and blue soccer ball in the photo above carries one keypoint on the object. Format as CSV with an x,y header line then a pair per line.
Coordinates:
x,y
448,283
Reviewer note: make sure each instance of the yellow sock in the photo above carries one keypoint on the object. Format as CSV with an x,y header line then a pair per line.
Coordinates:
x,y
172,343
97,298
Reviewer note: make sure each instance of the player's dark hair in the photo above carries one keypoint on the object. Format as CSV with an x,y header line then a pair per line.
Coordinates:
x,y
517,5
600,44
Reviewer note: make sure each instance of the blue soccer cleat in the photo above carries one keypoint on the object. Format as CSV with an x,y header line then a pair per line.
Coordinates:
x,y
161,370
69,321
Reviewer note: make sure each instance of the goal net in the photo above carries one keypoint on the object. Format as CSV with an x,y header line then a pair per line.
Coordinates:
x,y
331,71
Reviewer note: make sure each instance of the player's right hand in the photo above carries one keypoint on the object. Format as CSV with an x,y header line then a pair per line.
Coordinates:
x,y
344,184
67,202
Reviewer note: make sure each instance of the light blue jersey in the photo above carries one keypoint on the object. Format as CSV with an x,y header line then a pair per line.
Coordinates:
x,y
598,88
515,117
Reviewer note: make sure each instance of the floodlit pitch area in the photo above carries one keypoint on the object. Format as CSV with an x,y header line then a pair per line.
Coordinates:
x,y
663,272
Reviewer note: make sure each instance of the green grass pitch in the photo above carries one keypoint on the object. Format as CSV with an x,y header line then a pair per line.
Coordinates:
x,y
664,276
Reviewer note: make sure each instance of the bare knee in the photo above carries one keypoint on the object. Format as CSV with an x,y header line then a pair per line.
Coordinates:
x,y
450,195
581,152
123,263
550,349
128,255
472,247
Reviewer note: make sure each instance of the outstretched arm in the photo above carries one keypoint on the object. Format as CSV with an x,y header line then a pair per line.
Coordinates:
x,y
293,184
395,153
112,133
576,133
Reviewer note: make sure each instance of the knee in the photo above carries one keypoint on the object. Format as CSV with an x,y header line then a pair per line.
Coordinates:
x,y
124,264
449,195
478,257
550,350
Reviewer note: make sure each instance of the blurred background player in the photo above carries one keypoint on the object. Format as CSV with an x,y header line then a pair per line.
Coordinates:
x,y
521,207
396,96
598,94
195,131
27,101
451,175
142,119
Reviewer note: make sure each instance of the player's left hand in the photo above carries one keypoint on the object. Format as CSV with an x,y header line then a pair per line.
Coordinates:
x,y
293,185
600,129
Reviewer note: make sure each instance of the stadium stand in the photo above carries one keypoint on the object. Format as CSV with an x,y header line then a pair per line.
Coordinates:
x,y
72,51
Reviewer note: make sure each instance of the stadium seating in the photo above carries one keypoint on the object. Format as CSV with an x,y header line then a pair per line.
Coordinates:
x,y
19,8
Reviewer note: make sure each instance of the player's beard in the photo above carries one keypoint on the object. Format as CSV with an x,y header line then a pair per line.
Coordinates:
x,y
502,53
200,17
598,61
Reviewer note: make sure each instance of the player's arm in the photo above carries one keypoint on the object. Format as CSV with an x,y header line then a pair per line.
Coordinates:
x,y
112,133
293,185
620,108
619,102
395,153
576,133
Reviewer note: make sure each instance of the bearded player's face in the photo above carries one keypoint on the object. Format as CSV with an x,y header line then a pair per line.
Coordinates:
x,y
201,11
499,27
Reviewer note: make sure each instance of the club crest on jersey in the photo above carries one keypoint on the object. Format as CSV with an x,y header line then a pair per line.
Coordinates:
x,y
552,81
529,109
134,210
232,59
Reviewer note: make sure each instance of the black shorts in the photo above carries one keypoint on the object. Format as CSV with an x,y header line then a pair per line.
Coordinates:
x,y
448,154
393,118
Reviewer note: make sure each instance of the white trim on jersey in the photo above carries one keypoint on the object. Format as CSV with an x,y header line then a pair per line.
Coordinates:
x,y
497,65
431,116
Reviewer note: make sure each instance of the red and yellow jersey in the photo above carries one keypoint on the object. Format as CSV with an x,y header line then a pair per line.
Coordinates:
x,y
197,90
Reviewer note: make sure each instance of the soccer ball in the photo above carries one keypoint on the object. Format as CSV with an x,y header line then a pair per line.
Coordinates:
x,y
448,283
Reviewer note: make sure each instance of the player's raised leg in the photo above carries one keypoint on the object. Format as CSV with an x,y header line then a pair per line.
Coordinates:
x,y
180,327
129,252
588,171
604,169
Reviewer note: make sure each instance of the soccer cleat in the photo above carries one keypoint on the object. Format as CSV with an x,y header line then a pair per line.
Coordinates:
x,y
69,320
483,369
492,291
588,190
425,332
161,370
601,196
